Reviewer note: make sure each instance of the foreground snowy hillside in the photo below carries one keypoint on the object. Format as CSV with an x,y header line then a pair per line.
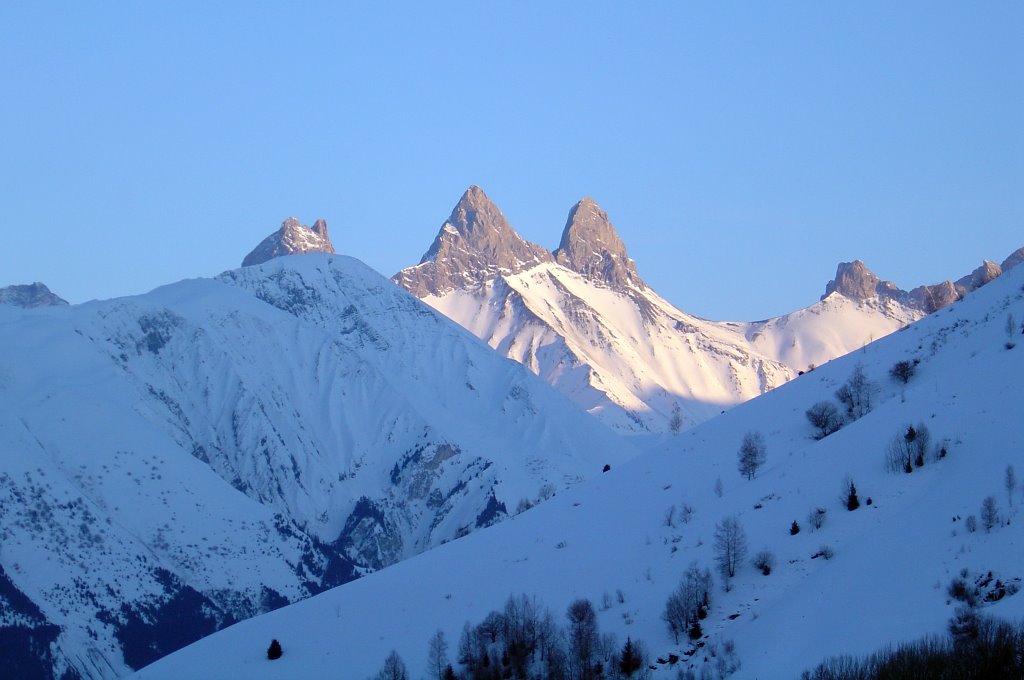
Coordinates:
x,y
583,319
864,578
180,460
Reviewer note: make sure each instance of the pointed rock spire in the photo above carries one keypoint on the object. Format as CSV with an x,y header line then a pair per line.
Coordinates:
x,y
590,246
855,281
475,244
293,237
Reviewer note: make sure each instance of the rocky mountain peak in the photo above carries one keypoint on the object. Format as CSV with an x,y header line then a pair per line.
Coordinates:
x,y
1014,259
29,296
590,246
475,244
979,277
293,237
854,280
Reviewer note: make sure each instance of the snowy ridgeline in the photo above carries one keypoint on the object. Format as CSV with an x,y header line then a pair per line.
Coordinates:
x,y
181,460
583,319
641,365
893,568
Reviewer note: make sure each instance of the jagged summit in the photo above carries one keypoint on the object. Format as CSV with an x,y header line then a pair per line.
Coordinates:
x,y
293,237
29,296
590,246
855,281
475,244
988,271
1014,259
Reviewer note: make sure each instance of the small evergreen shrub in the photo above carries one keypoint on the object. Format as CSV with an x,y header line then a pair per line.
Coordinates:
x,y
851,500
274,650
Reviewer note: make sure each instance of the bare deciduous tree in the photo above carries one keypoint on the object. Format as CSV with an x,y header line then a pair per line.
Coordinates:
x,y
825,416
765,561
670,516
584,638
675,423
730,547
1011,483
393,669
902,371
816,517
437,655
908,448
989,513
689,602
857,393
752,454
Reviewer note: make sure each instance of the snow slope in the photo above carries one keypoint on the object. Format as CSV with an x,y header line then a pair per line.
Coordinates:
x,y
893,559
583,320
183,459
631,358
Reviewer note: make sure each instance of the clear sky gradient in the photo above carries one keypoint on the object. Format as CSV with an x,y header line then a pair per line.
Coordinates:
x,y
741,149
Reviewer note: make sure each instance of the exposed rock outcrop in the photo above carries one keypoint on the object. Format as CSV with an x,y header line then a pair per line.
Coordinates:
x,y
933,298
29,296
475,244
590,246
855,281
979,277
1015,258
292,238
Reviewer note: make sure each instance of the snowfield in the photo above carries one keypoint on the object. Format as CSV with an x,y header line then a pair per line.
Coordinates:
x,y
630,357
886,581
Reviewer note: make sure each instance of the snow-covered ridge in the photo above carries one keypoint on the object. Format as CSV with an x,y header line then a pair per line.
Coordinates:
x,y
293,238
584,320
889,563
29,296
179,460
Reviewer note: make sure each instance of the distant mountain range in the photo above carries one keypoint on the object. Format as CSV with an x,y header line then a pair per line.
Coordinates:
x,y
582,318
181,460
844,578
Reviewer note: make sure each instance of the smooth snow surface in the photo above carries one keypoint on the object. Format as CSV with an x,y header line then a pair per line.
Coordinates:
x,y
892,560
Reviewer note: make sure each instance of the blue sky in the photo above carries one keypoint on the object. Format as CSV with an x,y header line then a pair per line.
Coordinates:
x,y
741,149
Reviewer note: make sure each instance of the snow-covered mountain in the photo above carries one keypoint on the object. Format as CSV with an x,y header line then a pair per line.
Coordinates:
x,y
29,296
293,238
583,319
855,281
180,460
862,579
